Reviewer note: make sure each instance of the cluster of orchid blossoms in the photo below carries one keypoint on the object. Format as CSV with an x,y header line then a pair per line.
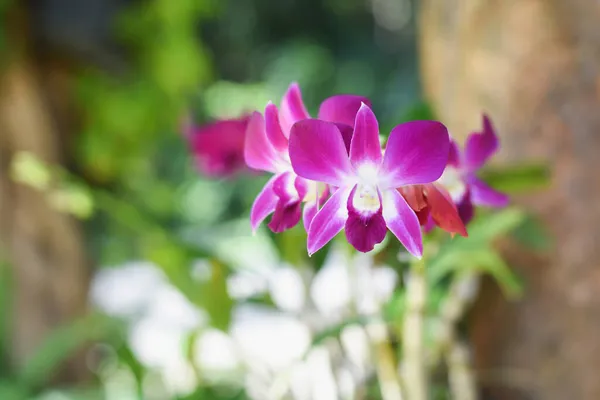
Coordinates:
x,y
332,172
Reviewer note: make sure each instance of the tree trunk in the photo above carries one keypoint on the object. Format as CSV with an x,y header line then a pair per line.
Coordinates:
x,y
534,66
43,246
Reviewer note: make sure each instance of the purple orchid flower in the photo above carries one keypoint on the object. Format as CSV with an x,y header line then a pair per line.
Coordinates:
x,y
218,147
367,201
266,149
460,176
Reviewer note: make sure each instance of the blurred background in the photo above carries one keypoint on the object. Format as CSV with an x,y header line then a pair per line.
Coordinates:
x,y
129,272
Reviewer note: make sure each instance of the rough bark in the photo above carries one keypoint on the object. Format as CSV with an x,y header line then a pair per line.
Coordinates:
x,y
534,66
44,247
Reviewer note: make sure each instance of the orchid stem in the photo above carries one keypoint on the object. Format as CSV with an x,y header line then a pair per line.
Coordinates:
x,y
387,373
463,290
460,374
414,366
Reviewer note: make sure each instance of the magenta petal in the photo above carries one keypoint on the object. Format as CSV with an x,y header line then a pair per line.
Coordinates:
x,y
416,153
365,146
273,128
480,146
328,222
288,208
483,195
466,209
286,216
403,222
259,153
218,147
429,224
318,153
284,187
312,207
347,131
342,108
264,204
308,213
454,155
301,185
365,232
292,109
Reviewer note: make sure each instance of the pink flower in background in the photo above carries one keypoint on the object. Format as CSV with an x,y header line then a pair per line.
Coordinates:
x,y
460,176
218,147
266,149
366,201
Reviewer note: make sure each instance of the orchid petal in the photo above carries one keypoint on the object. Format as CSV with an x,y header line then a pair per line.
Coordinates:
x,y
342,108
424,218
329,221
302,186
288,208
286,216
454,155
466,209
264,204
347,131
308,213
443,211
365,232
403,222
292,109
259,153
318,153
483,195
365,147
428,225
414,196
218,147
284,187
273,128
481,146
416,153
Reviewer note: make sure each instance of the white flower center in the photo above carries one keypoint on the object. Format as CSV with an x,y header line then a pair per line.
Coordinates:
x,y
366,197
452,180
368,174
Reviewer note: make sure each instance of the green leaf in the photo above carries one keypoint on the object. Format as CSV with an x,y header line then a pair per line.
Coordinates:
x,y
482,260
216,300
520,178
532,234
137,369
489,226
394,309
292,245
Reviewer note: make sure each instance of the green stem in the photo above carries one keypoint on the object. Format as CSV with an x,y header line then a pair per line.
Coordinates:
x,y
414,366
